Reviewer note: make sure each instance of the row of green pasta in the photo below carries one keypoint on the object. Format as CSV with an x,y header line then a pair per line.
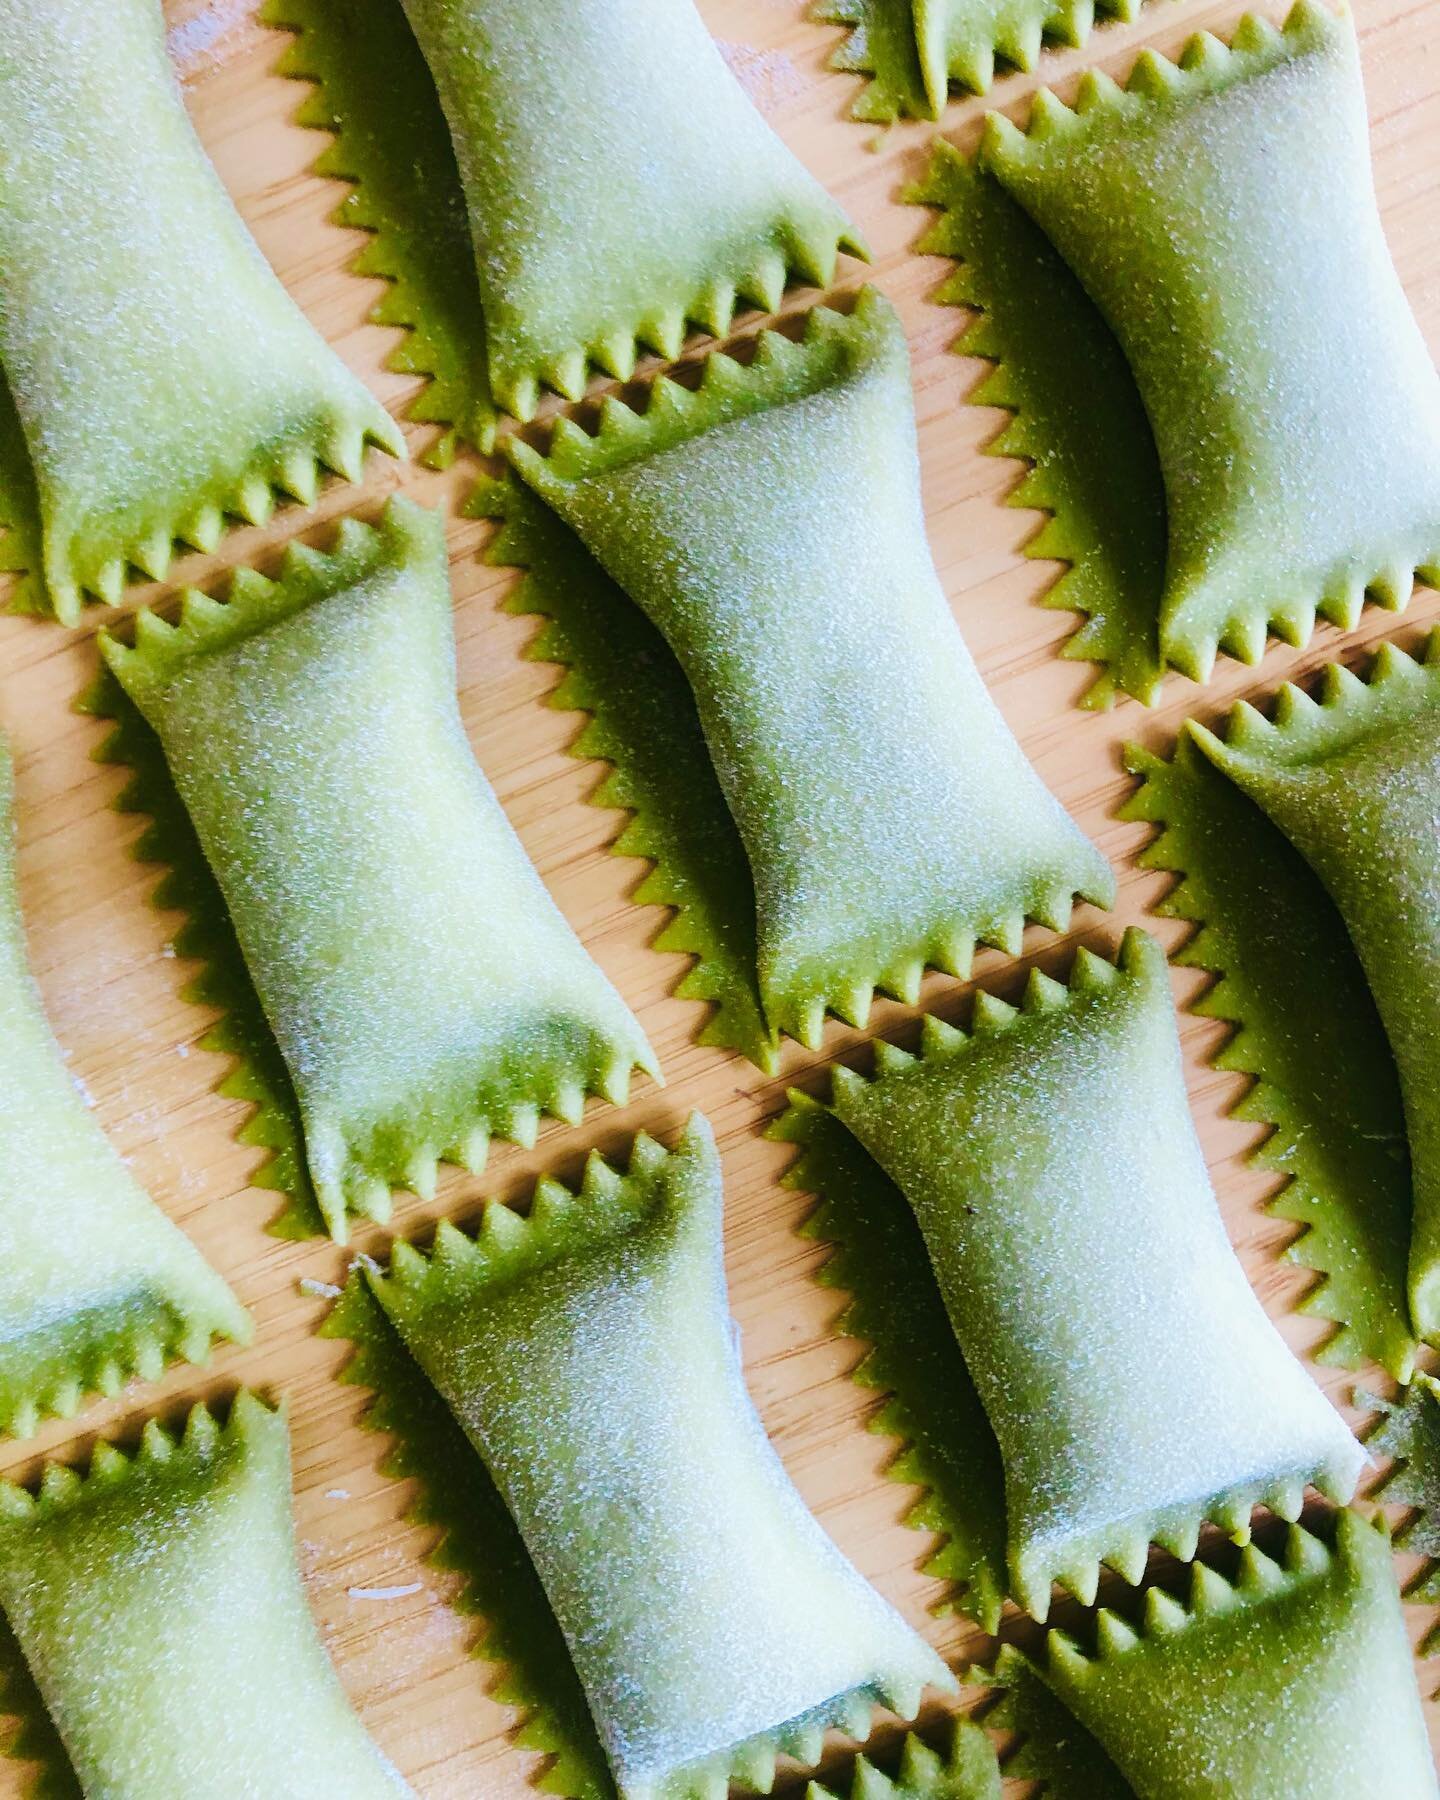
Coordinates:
x,y
738,579
1073,1355
565,1385
1168,275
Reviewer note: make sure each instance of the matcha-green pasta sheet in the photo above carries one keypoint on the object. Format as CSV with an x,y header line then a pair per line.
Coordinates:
x,y
588,1353
968,1770
619,183
159,1606
476,1539
420,983
1132,1379
1323,1075
205,938
1407,1432
373,92
1220,214
770,527
1077,420
96,1284
641,719
162,376
1291,1681
1352,779
892,1305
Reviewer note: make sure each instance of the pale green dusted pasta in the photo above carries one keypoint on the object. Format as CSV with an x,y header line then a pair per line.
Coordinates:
x,y
1133,1381
421,984
160,1610
1221,215
1353,780
161,373
619,183
1294,1681
96,1284
770,525
588,1353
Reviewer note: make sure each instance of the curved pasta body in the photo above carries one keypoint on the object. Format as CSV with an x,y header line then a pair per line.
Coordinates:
x,y
1221,215
1354,782
771,527
1132,1378
618,181
422,985
162,374
96,1284
589,1356
160,1609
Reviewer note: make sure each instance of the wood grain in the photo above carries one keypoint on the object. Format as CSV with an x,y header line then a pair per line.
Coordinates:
x,y
113,988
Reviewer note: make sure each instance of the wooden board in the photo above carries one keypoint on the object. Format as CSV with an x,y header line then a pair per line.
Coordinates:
x,y
114,989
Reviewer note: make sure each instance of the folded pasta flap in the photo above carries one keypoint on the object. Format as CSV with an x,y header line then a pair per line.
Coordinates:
x,y
373,92
207,938
1265,929
1328,1674
1205,64
1076,419
619,669
834,346
1348,710
881,44
945,1445
682,1185
477,1541
250,1426
206,625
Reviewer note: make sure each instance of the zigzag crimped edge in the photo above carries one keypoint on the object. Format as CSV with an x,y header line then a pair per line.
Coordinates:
x,y
1347,698
1132,668
1207,65
908,79
1347,704
306,575
508,1245
978,1581
188,1337
736,1021
1408,1430
62,1487
31,1736
1259,1581
712,310
1125,1548
835,346
294,472
462,411
255,601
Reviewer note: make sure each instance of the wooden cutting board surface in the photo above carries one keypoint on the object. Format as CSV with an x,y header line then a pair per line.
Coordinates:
x,y
113,986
